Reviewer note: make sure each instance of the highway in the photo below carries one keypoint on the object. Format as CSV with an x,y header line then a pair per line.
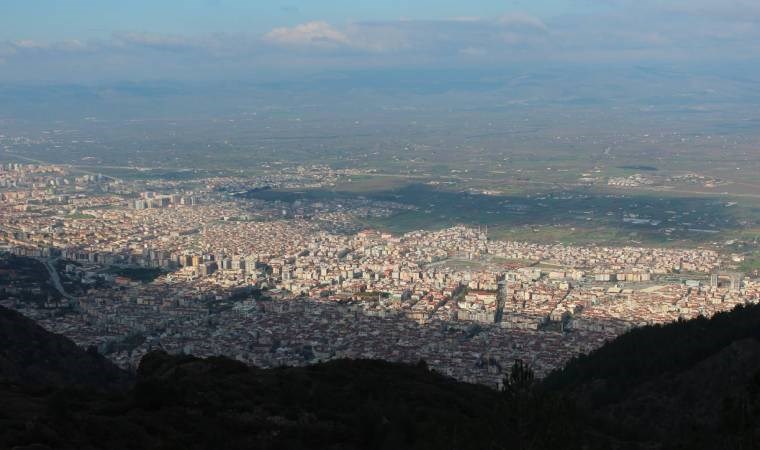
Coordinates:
x,y
49,264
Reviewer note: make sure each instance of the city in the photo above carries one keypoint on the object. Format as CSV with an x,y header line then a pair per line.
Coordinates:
x,y
272,283
380,225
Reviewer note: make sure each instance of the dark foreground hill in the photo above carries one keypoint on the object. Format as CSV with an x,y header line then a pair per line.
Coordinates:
x,y
687,385
31,355
190,403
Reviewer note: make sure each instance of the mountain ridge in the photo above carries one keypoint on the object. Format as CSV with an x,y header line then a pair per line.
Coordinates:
x,y
691,384
31,355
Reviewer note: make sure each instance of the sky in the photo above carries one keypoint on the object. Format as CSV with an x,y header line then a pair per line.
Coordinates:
x,y
91,40
72,19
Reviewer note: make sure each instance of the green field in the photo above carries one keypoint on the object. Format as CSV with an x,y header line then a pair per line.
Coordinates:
x,y
751,262
494,150
581,216
143,275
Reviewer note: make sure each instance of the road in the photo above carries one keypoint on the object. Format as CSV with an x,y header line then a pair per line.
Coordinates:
x,y
49,264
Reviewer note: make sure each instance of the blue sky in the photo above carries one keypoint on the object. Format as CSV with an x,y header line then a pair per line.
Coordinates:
x,y
88,40
70,19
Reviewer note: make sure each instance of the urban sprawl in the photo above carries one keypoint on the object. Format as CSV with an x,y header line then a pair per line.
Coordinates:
x,y
292,283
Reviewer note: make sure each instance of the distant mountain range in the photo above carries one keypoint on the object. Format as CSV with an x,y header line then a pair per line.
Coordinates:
x,y
688,385
667,88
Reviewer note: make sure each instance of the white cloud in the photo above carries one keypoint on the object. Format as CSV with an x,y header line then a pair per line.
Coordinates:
x,y
69,45
28,44
522,20
466,19
473,51
459,35
154,41
630,31
318,34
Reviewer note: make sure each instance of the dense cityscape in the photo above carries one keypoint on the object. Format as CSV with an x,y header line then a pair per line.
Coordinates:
x,y
374,225
198,266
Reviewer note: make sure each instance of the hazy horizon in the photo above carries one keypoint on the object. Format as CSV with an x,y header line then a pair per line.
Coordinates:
x,y
94,42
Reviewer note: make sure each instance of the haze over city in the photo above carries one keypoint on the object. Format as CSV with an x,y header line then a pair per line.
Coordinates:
x,y
487,224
